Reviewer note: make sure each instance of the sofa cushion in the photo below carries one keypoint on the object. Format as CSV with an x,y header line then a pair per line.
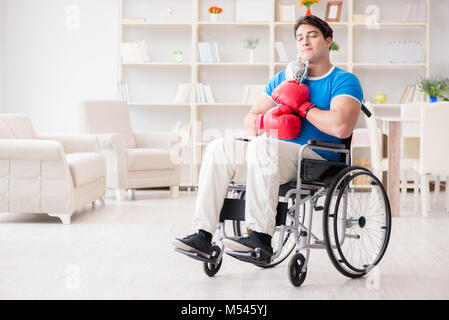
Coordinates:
x,y
16,126
86,167
148,159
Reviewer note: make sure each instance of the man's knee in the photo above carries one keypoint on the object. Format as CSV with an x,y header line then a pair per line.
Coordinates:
x,y
262,147
215,147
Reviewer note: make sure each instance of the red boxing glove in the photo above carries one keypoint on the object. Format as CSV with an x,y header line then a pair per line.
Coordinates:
x,y
293,96
278,124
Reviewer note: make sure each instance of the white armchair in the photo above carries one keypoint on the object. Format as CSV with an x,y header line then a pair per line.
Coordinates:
x,y
134,160
47,173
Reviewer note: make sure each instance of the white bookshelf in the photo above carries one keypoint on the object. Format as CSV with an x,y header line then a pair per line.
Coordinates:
x,y
153,85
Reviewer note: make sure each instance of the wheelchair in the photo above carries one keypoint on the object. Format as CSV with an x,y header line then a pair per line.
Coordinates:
x,y
356,217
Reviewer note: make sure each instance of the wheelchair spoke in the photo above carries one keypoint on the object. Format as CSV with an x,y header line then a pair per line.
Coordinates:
x,y
360,223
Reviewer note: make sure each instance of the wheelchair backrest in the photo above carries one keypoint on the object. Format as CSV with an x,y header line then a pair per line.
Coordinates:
x,y
347,143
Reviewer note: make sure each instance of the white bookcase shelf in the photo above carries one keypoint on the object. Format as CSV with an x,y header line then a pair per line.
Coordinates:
x,y
153,85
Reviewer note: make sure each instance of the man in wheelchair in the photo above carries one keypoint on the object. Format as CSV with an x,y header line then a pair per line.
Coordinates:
x,y
265,161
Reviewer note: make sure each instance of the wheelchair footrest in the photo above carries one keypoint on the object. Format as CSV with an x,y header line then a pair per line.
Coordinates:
x,y
195,255
256,256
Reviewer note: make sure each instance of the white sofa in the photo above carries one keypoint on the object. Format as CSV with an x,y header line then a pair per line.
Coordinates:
x,y
134,160
47,173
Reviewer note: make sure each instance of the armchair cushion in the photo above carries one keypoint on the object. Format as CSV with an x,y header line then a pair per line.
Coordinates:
x,y
159,140
86,167
148,159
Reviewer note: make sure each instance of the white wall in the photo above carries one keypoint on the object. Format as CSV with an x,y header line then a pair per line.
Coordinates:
x,y
2,54
51,67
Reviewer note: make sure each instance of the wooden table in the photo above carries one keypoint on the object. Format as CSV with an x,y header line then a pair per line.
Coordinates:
x,y
391,126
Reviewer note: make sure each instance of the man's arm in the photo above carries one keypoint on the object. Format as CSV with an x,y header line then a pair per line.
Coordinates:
x,y
340,120
262,105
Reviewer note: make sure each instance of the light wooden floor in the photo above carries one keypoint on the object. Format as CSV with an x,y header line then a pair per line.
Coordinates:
x,y
123,251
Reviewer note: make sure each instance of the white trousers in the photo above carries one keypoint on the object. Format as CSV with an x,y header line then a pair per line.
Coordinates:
x,y
263,164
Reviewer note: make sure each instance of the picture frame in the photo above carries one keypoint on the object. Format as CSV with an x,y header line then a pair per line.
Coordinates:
x,y
244,10
287,12
333,11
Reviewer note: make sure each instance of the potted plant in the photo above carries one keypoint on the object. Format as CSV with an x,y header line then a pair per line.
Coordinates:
x,y
214,13
333,49
433,87
251,44
445,91
307,3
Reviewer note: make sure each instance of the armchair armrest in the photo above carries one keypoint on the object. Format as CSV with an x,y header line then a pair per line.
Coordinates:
x,y
73,143
31,149
160,140
112,147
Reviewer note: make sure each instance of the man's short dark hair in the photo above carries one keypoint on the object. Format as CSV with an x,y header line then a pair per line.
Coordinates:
x,y
324,27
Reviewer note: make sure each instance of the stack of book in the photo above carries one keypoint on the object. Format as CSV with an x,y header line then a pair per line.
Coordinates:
x,y
123,91
204,93
412,94
208,52
135,52
183,93
282,53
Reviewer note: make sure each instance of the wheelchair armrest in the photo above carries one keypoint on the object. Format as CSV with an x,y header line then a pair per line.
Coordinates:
x,y
319,143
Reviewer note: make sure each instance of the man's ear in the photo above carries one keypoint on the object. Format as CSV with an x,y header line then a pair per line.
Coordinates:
x,y
328,42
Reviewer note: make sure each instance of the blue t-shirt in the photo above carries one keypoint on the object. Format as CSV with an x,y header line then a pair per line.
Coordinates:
x,y
322,90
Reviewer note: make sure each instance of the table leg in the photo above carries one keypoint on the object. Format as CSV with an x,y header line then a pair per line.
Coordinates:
x,y
393,190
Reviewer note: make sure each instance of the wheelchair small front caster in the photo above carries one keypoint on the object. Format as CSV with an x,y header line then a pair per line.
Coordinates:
x,y
295,266
211,267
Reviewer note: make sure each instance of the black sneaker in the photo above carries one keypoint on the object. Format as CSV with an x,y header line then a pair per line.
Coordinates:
x,y
196,242
249,243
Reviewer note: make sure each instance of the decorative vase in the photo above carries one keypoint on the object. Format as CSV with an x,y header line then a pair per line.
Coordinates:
x,y
433,99
251,55
308,13
214,16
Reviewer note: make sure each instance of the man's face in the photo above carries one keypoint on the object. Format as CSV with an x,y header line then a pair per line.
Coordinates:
x,y
311,44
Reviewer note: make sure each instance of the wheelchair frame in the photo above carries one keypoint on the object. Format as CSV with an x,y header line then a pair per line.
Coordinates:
x,y
312,193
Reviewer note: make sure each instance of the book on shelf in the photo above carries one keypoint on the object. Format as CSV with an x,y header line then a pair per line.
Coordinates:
x,y
282,53
252,92
135,52
133,20
405,94
145,52
209,95
183,93
204,93
208,52
123,91
412,94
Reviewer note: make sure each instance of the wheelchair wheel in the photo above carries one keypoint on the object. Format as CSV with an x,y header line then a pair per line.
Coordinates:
x,y
295,273
356,221
211,268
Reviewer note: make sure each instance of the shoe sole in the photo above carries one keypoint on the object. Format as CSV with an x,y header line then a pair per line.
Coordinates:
x,y
236,246
181,245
